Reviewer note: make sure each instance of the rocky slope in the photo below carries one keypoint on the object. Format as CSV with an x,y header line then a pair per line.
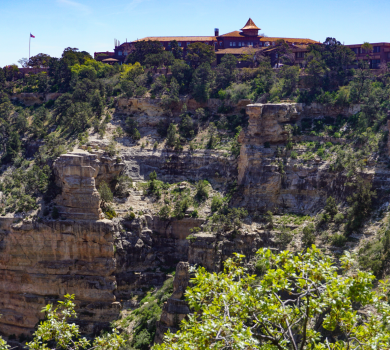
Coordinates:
x,y
105,263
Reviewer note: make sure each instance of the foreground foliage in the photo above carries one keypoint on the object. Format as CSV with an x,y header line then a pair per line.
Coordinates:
x,y
301,302
56,329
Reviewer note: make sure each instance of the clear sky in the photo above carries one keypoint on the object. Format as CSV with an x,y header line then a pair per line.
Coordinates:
x,y
92,25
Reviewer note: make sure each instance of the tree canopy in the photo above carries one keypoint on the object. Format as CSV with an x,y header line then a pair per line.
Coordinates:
x,y
302,301
199,53
142,49
39,61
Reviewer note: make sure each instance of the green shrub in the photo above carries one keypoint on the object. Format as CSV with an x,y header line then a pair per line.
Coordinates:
x,y
294,155
308,237
105,193
338,218
195,214
338,240
202,190
283,236
331,206
130,216
216,203
164,212
181,207
109,212
320,152
171,135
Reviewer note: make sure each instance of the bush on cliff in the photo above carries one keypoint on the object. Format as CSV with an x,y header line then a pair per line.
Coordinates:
x,y
105,194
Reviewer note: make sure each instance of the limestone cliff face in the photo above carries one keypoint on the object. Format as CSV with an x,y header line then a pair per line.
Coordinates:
x,y
267,182
40,262
145,246
76,174
173,166
210,251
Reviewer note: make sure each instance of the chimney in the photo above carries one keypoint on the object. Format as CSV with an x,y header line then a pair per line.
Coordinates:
x,y
216,32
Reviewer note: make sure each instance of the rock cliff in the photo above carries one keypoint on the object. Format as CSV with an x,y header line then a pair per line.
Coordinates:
x,y
175,309
76,174
271,181
40,262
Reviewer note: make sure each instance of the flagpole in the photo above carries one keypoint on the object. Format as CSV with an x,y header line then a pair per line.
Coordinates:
x,y
29,44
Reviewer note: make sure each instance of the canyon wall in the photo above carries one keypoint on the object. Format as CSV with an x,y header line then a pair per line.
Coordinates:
x,y
105,262
278,182
40,261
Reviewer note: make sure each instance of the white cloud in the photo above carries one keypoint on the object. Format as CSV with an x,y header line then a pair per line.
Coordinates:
x,y
75,5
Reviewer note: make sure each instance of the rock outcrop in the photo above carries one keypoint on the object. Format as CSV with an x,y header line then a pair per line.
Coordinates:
x,y
147,245
210,251
214,165
34,98
175,309
269,182
42,261
76,174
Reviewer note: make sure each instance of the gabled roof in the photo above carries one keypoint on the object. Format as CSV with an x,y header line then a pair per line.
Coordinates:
x,y
250,25
290,40
236,34
178,38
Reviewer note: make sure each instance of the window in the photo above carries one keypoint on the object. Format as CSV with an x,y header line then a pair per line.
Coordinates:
x,y
188,43
360,50
388,55
234,43
375,64
354,50
300,54
119,53
239,43
231,44
377,49
179,44
220,43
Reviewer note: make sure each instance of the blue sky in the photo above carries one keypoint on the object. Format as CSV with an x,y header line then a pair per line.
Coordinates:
x,y
92,25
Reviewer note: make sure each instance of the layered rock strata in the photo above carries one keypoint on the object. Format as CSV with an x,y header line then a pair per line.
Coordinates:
x,y
40,262
213,165
76,174
274,182
146,246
